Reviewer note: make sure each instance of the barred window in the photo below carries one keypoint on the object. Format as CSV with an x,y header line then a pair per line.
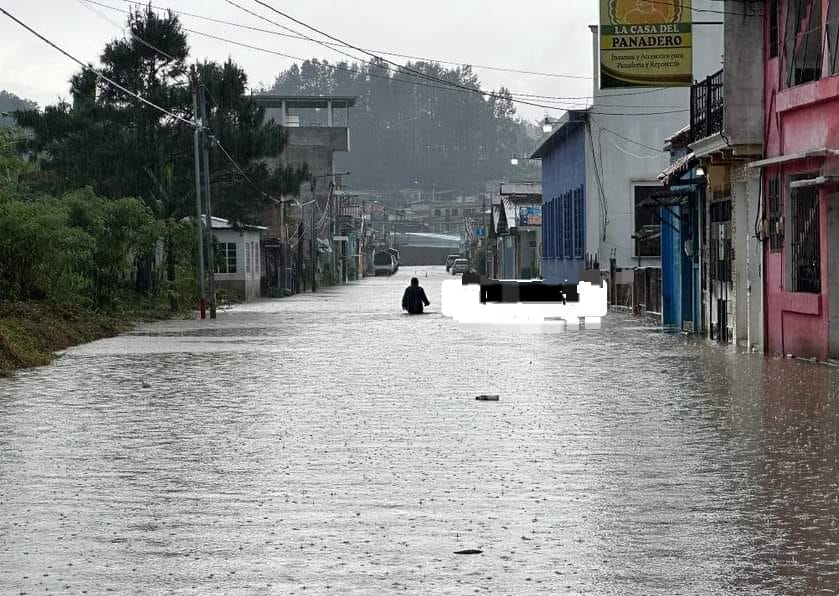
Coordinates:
x,y
579,222
776,240
560,232
568,225
805,255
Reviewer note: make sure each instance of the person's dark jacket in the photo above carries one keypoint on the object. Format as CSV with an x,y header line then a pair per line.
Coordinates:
x,y
413,299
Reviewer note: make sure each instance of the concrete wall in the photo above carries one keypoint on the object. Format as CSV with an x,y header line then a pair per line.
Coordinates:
x,y
624,164
245,283
743,74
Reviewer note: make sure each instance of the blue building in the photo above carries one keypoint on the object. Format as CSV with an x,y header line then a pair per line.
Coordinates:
x,y
680,205
563,156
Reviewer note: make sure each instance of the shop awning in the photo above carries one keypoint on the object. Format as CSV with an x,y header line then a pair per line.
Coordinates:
x,y
781,159
678,168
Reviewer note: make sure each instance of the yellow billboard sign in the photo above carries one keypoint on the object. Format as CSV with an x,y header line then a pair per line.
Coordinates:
x,y
645,43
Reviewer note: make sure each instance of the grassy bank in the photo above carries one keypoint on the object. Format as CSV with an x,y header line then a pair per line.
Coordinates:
x,y
31,332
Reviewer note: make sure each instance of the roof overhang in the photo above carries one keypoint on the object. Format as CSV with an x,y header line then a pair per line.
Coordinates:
x,y
817,181
782,159
270,100
569,119
678,168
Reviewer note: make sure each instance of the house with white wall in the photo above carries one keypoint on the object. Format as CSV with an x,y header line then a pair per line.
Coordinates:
x,y
238,258
625,155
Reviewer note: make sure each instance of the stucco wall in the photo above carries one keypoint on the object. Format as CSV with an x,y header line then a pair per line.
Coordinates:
x,y
624,163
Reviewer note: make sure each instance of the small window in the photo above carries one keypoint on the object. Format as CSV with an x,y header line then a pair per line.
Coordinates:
x,y
776,241
833,36
579,222
773,28
803,41
805,248
247,257
226,257
568,226
647,223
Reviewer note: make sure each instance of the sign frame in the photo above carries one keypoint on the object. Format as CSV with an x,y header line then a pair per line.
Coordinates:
x,y
646,43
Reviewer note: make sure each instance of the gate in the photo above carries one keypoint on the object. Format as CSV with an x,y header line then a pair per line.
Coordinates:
x,y
720,265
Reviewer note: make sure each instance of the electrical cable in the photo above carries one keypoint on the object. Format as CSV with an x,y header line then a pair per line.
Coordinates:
x,y
425,76
96,72
340,67
388,53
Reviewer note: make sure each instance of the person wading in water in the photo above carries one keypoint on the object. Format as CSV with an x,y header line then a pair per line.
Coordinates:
x,y
414,298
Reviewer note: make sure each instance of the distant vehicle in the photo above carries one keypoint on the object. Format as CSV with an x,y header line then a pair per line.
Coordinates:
x,y
395,254
460,266
450,261
385,262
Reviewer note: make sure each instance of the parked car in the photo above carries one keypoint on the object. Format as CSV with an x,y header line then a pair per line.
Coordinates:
x,y
450,261
460,266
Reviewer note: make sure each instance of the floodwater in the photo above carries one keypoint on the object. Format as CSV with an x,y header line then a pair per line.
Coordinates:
x,y
328,444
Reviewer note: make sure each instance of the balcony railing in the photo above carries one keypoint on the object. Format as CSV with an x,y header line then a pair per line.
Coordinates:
x,y
707,105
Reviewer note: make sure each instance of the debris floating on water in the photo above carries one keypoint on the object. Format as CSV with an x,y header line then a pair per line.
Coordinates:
x,y
487,398
468,551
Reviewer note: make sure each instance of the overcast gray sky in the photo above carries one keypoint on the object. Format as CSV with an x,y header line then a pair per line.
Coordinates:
x,y
535,35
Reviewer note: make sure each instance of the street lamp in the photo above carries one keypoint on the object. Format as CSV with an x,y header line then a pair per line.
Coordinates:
x,y
517,158
548,124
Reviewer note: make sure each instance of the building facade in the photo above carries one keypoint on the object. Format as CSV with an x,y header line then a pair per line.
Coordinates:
x,y
800,177
566,236
238,266
624,158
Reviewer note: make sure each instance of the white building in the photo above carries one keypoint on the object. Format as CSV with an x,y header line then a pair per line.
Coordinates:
x,y
238,259
625,150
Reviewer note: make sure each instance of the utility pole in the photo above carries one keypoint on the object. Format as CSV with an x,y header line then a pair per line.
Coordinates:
x,y
203,298
211,247
313,249
283,256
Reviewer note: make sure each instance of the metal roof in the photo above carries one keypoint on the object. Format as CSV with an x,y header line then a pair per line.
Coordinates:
x,y
561,132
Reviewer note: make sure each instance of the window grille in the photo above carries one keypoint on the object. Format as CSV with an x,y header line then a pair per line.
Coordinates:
x,y
776,240
805,255
568,225
579,222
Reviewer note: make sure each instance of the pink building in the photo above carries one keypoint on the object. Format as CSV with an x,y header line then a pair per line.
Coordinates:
x,y
800,177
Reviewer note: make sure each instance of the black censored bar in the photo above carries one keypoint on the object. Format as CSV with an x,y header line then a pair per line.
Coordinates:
x,y
511,292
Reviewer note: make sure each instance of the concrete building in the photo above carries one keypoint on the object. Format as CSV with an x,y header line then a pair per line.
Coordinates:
x,y
519,250
238,269
726,133
624,155
318,127
800,176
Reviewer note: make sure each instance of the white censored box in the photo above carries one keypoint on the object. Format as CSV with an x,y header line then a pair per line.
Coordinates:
x,y
463,304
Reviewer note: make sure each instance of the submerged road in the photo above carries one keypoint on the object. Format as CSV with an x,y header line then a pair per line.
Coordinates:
x,y
328,444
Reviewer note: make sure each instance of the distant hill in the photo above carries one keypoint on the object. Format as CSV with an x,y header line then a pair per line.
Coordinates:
x,y
10,102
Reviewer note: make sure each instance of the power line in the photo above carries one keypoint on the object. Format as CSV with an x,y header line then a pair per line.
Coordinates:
x,y
413,72
339,67
408,70
96,72
387,53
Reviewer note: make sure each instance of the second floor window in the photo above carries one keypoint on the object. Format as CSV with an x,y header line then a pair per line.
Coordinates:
x,y
803,41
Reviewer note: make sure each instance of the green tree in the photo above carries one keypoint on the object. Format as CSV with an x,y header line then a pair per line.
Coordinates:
x,y
405,130
121,147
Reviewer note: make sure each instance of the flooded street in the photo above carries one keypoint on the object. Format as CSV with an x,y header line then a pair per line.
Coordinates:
x,y
328,444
